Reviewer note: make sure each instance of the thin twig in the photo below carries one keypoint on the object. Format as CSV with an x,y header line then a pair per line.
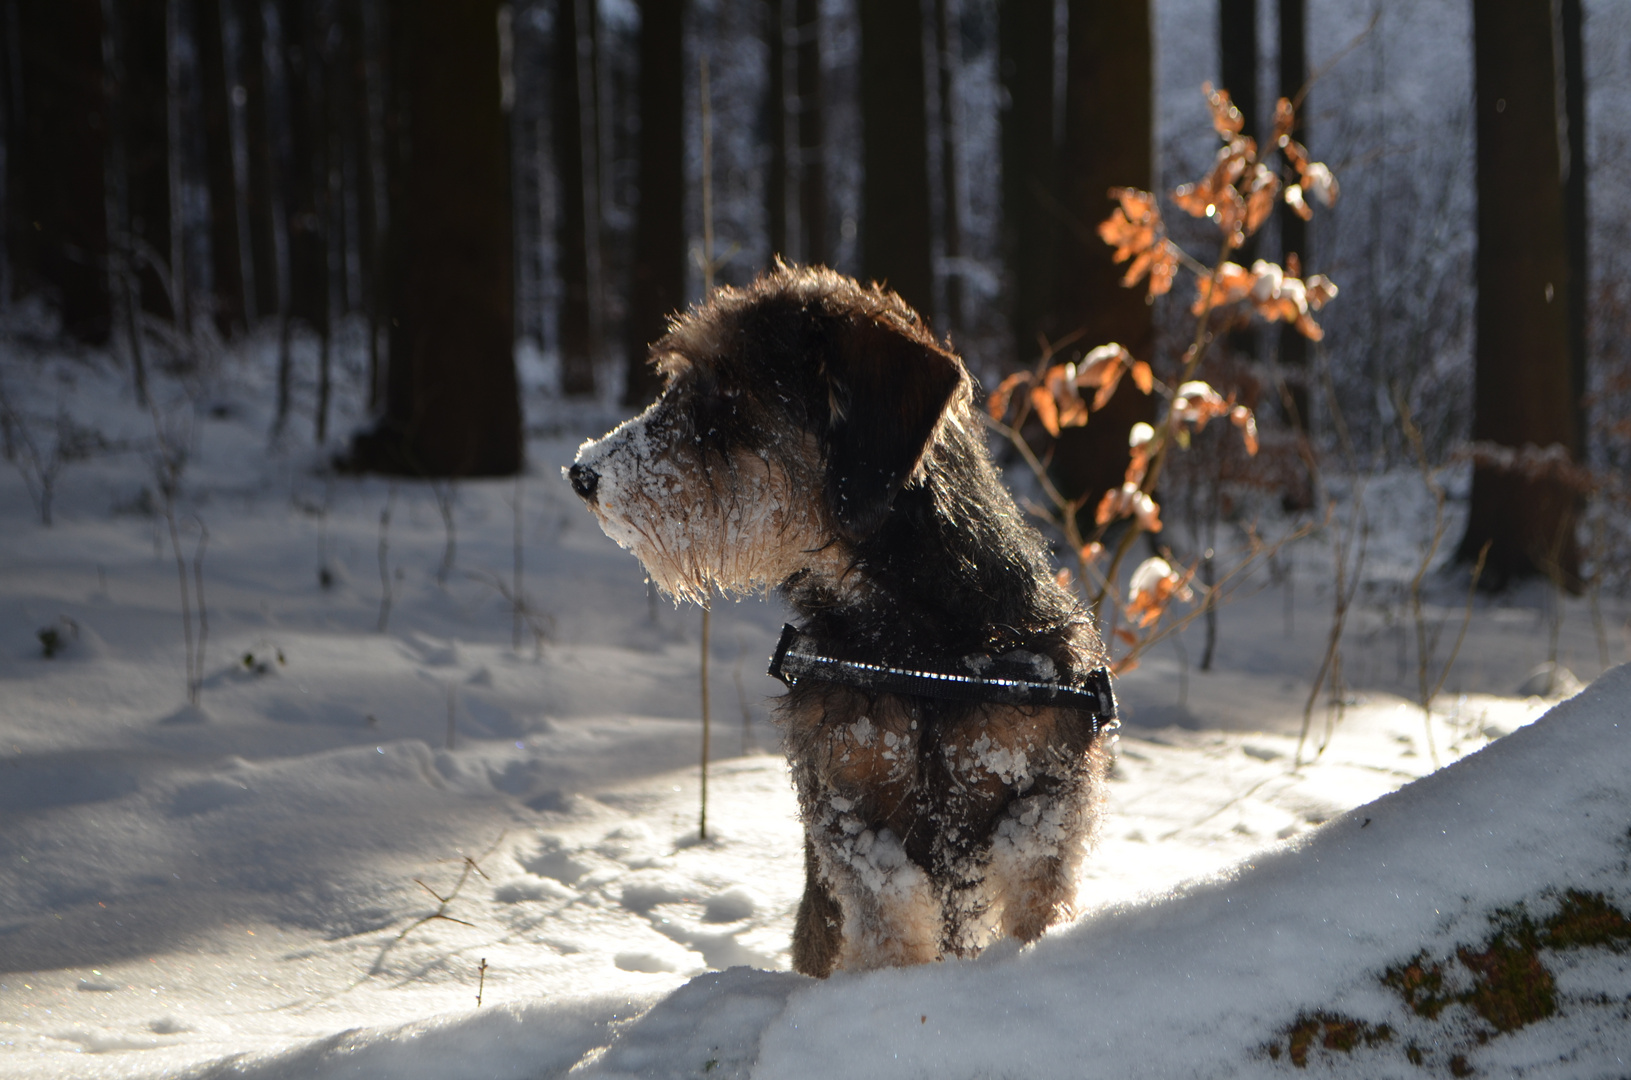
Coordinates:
x,y
385,559
197,673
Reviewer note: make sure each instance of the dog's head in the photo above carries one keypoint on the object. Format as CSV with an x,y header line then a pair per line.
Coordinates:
x,y
795,411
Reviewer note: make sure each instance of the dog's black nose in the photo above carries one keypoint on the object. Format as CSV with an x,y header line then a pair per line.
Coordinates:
x,y
584,481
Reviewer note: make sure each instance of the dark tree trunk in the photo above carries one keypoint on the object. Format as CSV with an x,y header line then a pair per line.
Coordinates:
x,y
1237,68
306,178
452,403
1030,199
1293,347
777,175
1237,58
226,267
1571,25
1107,143
657,274
56,142
808,170
261,194
144,106
896,229
1522,385
577,226
949,70
360,19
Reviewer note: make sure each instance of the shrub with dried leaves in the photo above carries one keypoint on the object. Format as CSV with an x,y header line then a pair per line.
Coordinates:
x,y
1237,195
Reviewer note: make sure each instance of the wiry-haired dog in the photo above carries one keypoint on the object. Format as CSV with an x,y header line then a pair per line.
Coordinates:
x,y
813,436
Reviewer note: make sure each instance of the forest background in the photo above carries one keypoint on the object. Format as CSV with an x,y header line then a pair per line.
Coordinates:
x,y
400,193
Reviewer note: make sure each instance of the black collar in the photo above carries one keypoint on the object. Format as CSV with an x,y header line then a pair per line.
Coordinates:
x,y
796,658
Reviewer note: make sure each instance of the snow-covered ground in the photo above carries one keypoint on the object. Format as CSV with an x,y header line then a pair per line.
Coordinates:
x,y
355,833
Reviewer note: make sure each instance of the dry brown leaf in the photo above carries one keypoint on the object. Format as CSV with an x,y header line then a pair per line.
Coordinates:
x,y
1143,377
1226,119
1319,182
1163,268
1234,282
997,403
1294,199
1196,403
1124,665
1195,199
1061,383
1296,153
1285,119
1154,585
1046,411
1103,365
1321,291
1247,423
1260,196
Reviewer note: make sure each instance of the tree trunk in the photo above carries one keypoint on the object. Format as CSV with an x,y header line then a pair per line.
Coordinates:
x,y
778,182
56,142
1237,69
1030,198
367,138
226,266
144,105
809,173
175,181
896,230
657,273
1107,143
261,194
452,403
1571,25
949,71
1522,386
306,179
1293,347
1237,58
576,230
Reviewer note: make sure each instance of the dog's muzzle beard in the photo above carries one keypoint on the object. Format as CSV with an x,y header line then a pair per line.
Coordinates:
x,y
732,520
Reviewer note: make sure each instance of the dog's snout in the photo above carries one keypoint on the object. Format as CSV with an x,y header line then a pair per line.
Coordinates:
x,y
584,481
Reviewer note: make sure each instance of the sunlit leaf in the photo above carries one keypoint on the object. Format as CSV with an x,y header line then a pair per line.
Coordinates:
x,y
1046,411
1143,377
997,404
1285,119
1226,119
1294,199
1321,291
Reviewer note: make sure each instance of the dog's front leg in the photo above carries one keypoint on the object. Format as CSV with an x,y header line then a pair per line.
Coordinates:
x,y
818,931
891,914
867,904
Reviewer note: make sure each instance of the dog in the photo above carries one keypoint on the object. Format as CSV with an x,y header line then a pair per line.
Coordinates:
x,y
948,699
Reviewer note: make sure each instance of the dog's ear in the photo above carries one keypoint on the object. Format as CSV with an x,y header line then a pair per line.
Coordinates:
x,y
887,391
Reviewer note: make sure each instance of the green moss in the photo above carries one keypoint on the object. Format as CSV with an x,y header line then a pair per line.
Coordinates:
x,y
1588,920
1511,987
1421,983
1330,1030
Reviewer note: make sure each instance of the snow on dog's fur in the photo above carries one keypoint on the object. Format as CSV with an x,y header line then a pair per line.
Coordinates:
x,y
813,437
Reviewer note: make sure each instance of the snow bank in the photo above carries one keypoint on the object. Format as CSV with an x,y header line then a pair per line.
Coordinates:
x,y
1203,982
